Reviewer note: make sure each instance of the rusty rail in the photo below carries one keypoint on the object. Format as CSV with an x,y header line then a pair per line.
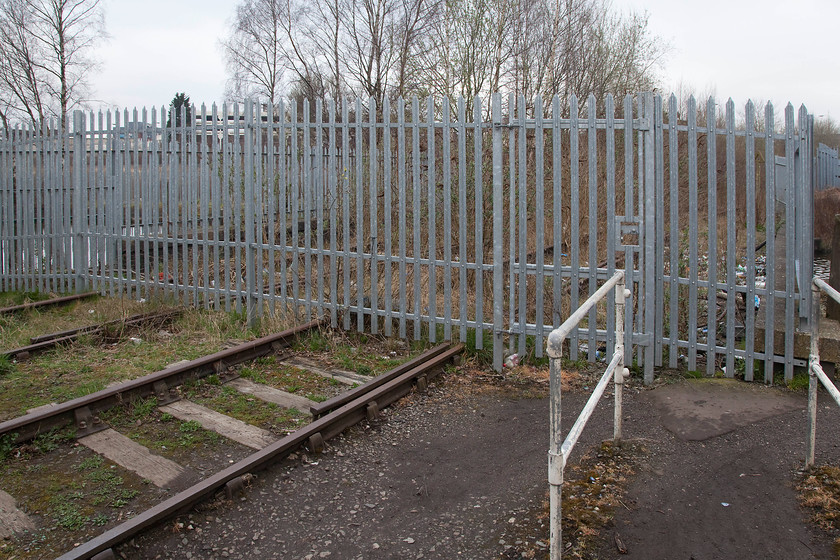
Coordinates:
x,y
46,341
422,360
84,410
364,406
45,303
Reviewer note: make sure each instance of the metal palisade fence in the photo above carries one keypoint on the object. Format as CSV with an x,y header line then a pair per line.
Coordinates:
x,y
437,219
827,168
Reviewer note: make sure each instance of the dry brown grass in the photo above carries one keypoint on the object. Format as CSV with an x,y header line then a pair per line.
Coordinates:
x,y
819,492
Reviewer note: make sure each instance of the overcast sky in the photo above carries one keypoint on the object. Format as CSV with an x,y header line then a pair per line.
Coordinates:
x,y
775,50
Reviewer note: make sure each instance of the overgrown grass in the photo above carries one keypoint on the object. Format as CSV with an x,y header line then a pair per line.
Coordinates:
x,y
9,299
88,366
362,353
269,371
231,402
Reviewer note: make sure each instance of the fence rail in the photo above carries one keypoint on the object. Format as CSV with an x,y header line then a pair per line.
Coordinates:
x,y
426,220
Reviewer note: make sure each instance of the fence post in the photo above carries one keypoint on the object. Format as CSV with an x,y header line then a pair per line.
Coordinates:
x,y
556,461
249,222
619,375
498,234
649,217
79,211
813,382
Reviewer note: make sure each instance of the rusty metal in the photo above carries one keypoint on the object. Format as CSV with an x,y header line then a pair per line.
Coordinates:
x,y
322,408
52,340
45,303
322,429
130,321
28,426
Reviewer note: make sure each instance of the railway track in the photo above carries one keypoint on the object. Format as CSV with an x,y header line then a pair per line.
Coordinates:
x,y
47,341
330,418
46,303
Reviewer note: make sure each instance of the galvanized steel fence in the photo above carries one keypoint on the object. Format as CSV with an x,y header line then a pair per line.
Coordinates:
x,y
827,168
489,226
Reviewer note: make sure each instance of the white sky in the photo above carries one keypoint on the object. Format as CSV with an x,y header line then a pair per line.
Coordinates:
x,y
776,50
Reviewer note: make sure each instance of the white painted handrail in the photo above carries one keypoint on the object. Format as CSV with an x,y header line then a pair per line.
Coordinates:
x,y
558,453
815,371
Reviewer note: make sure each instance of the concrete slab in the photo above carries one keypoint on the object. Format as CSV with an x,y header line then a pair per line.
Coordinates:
x,y
129,454
699,409
12,520
272,395
237,430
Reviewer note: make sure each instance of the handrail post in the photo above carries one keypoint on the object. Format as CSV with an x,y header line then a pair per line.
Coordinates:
x,y
620,373
556,461
813,382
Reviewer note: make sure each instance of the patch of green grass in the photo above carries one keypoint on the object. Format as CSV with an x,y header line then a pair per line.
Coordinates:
x,y
9,299
799,382
143,408
68,514
51,440
231,402
7,446
6,366
91,463
88,366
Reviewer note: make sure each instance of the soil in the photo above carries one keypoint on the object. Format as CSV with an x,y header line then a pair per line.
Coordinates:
x,y
460,472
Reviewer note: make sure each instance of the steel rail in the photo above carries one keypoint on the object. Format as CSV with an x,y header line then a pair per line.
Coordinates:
x,y
46,341
816,375
46,303
365,406
319,409
130,320
84,409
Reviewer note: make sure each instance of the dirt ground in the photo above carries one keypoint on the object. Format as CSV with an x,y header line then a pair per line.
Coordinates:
x,y
461,473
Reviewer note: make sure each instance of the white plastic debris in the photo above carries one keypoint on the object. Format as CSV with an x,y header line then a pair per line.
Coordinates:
x,y
136,340
512,361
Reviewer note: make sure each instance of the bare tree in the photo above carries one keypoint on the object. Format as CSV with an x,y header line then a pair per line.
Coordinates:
x,y
254,58
67,31
19,77
46,48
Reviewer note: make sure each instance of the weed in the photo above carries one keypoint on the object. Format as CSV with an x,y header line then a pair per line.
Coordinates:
x,y
50,441
6,366
99,519
92,462
143,408
67,514
799,382
190,426
213,379
7,445
364,370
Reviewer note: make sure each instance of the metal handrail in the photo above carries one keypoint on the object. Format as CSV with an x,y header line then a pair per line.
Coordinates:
x,y
559,453
815,371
